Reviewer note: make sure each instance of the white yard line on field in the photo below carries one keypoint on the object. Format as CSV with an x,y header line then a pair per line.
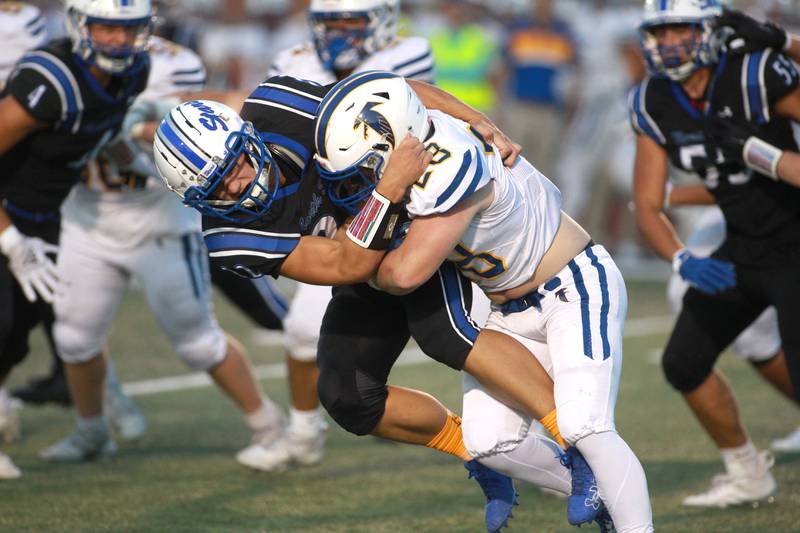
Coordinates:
x,y
637,327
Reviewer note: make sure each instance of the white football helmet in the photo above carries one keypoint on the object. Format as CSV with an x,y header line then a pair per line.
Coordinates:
x,y
360,122
343,50
198,143
702,49
136,15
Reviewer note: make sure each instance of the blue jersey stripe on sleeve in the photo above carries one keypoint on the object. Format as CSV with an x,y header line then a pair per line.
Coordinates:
x,y
231,241
426,55
296,147
63,81
459,177
286,98
753,87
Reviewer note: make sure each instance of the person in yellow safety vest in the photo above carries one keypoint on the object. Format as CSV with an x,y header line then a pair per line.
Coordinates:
x,y
466,57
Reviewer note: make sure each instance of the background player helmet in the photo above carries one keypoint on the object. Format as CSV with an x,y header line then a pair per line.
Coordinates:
x,y
135,14
360,122
345,49
702,50
198,143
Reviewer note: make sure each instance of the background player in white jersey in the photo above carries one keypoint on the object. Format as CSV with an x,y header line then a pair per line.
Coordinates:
x,y
347,36
551,287
118,225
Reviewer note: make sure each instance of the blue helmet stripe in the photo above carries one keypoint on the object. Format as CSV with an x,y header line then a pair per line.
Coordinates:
x,y
172,139
335,96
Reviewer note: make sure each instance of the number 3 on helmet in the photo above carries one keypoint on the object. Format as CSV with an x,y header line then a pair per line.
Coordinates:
x,y
198,144
360,122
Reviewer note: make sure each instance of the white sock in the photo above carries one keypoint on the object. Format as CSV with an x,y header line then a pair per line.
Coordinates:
x,y
620,480
265,417
305,422
535,460
740,459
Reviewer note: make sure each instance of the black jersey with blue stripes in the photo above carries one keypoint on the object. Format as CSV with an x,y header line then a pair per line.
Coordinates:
x,y
762,215
282,110
79,116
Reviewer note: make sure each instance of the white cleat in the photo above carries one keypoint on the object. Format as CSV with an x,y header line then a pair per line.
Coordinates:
x,y
81,445
268,457
740,488
125,417
8,470
789,443
9,417
307,449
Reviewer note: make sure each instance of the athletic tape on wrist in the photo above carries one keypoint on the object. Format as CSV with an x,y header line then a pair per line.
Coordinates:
x,y
678,258
373,226
9,238
762,156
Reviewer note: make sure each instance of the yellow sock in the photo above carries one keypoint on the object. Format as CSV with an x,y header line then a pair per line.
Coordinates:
x,y
551,424
449,439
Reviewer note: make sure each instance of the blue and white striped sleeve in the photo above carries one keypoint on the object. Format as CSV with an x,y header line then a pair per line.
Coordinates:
x,y
641,120
449,184
249,252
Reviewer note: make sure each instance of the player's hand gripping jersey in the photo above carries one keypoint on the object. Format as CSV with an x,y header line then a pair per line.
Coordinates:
x,y
762,215
56,88
409,57
282,109
504,243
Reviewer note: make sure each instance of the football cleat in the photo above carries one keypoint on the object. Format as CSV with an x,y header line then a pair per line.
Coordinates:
x,y
9,417
789,443
747,486
271,456
48,389
8,470
500,494
125,417
584,504
603,520
307,449
83,444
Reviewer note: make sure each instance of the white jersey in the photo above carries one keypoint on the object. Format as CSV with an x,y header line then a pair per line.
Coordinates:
x,y
22,28
117,215
409,57
505,242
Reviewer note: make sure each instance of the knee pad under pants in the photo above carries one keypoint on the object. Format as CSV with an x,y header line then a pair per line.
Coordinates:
x,y
363,333
706,325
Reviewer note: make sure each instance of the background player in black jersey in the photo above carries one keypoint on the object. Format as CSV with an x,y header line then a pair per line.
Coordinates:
x,y
61,104
259,228
691,113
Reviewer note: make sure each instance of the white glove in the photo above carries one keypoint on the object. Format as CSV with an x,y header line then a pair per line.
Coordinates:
x,y
28,260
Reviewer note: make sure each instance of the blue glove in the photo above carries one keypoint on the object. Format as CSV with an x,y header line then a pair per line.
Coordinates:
x,y
705,274
399,235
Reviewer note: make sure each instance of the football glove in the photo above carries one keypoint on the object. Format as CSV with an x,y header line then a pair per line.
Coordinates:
x,y
705,274
30,264
745,34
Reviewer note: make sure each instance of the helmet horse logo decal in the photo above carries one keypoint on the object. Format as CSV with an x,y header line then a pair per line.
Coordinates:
x,y
372,119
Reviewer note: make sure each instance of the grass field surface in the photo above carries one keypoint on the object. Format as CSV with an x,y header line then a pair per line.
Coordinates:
x,y
182,475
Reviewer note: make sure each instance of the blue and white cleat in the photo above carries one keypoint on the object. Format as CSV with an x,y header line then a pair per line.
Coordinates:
x,y
603,520
584,504
499,491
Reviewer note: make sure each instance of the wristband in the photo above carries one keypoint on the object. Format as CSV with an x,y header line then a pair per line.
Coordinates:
x,y
762,157
374,224
9,238
678,258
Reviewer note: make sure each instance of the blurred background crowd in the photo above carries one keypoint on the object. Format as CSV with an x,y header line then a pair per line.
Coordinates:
x,y
553,74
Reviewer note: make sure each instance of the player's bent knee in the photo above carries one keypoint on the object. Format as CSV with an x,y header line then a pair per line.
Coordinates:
x,y
73,345
683,373
203,352
482,443
301,347
575,422
356,411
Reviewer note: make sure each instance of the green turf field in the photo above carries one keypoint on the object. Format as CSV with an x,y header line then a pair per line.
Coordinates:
x,y
182,475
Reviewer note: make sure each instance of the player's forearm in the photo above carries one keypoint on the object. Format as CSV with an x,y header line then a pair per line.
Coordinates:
x,y
435,98
690,195
398,274
658,231
5,219
789,168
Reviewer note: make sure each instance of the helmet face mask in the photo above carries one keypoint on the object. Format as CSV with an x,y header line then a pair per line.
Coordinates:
x,y
360,122
88,21
345,32
201,145
698,49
